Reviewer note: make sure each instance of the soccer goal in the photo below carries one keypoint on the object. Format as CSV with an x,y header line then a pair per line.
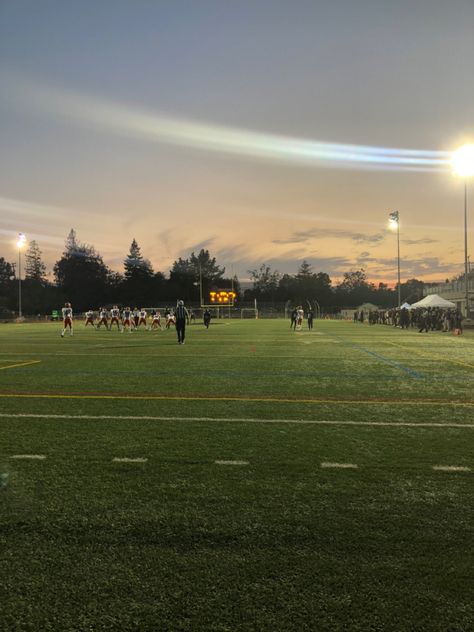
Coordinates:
x,y
249,312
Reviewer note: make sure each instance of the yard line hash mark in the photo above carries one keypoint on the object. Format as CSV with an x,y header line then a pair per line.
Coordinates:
x,y
231,462
451,468
342,466
33,457
118,459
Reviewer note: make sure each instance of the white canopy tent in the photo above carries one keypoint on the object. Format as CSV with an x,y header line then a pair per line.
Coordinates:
x,y
433,300
405,306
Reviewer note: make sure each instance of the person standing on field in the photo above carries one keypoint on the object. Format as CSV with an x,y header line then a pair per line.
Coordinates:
x,y
181,318
67,319
309,316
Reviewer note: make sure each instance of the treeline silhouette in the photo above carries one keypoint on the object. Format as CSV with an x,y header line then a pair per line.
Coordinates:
x,y
82,277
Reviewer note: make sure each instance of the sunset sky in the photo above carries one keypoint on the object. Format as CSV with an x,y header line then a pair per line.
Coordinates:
x,y
211,124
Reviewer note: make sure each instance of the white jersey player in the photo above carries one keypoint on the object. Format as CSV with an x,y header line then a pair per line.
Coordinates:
x,y
115,317
67,319
103,319
127,319
89,318
156,321
142,318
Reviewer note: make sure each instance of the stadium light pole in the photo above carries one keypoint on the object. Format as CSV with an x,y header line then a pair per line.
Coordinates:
x,y
462,163
21,241
394,223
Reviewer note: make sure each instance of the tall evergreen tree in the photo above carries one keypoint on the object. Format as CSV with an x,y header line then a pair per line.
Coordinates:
x,y
136,266
206,267
139,282
35,270
81,274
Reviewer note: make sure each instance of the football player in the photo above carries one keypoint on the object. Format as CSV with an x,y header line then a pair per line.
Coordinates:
x,y
156,321
103,320
115,317
127,319
67,319
89,318
142,318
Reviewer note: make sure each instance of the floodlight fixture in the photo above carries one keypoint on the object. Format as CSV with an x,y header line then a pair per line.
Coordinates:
x,y
394,220
21,241
462,161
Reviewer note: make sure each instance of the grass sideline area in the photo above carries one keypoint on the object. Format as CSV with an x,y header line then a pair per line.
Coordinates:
x,y
273,480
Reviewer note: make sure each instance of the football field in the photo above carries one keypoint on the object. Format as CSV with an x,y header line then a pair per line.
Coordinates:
x,y
254,479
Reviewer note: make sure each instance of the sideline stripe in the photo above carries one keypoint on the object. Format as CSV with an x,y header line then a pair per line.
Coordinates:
x,y
231,462
125,459
315,422
235,398
12,366
431,356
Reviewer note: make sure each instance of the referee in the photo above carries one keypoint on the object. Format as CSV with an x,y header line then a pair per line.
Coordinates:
x,y
181,317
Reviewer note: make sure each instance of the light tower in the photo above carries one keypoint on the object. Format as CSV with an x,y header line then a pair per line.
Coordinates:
x,y
394,223
462,163
21,242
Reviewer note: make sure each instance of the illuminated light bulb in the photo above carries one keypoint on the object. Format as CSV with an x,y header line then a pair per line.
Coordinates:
x,y
462,161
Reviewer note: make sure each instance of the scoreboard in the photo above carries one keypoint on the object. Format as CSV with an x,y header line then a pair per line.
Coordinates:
x,y
222,297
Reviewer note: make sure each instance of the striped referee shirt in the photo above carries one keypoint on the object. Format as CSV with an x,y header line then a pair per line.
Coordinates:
x,y
181,312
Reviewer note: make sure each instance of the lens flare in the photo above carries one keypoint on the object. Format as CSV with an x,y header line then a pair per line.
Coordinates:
x,y
155,127
462,161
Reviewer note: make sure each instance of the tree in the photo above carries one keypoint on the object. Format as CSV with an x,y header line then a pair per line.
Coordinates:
x,y
206,267
355,288
35,270
7,274
136,266
306,287
305,271
138,285
187,274
353,280
81,274
265,281
412,290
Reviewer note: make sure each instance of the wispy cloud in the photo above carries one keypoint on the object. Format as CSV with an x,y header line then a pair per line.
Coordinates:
x,y
416,242
302,236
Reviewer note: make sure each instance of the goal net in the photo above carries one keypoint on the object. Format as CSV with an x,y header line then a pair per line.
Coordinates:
x,y
248,312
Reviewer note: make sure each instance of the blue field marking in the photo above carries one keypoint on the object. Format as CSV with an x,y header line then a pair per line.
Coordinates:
x,y
394,363
215,374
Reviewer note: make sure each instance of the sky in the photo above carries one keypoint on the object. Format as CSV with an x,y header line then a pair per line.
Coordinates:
x,y
266,131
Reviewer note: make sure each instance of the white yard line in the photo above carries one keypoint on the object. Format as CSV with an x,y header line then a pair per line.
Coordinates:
x,y
231,462
37,457
342,466
315,422
118,459
451,468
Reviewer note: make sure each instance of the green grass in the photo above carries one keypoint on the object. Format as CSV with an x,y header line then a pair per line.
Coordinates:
x,y
180,543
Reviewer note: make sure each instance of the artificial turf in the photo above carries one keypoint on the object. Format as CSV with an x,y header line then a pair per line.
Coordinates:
x,y
181,543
